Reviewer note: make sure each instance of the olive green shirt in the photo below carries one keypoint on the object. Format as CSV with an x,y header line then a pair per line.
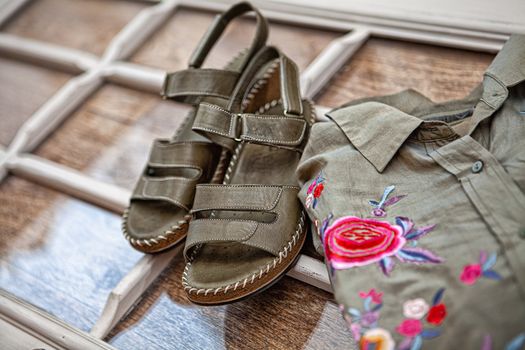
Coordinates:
x,y
419,210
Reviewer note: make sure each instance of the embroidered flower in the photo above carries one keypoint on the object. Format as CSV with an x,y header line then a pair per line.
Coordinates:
x,y
410,327
361,321
413,329
379,208
415,308
365,329
351,241
437,314
472,272
314,192
375,296
311,187
377,338
370,319
318,190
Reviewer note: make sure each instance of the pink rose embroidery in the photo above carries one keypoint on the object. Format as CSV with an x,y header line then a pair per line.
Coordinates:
x,y
351,241
410,328
472,272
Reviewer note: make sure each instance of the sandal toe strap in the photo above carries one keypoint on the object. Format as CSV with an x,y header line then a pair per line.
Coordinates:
x,y
260,216
164,177
175,190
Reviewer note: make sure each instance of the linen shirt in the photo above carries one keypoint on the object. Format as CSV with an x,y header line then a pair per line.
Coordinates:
x,y
419,210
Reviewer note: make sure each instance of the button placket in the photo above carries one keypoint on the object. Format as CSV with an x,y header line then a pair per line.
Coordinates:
x,y
487,185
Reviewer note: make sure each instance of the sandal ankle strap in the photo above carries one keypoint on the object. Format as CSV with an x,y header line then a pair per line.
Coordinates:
x,y
190,85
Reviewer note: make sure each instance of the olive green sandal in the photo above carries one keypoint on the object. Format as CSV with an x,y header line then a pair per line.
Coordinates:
x,y
246,233
158,215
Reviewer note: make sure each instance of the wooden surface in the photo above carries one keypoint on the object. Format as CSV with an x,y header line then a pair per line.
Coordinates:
x,y
65,256
87,25
24,88
60,254
384,67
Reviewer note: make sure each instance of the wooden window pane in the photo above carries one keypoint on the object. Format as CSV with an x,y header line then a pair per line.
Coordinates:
x,y
24,88
384,67
85,25
109,136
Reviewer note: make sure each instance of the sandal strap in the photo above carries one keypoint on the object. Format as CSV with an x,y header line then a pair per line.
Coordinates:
x,y
288,77
192,84
271,237
177,190
217,28
226,126
277,130
166,153
236,197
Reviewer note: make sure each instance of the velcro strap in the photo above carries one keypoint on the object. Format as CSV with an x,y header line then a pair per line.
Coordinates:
x,y
218,230
190,85
278,130
166,153
176,190
271,237
236,197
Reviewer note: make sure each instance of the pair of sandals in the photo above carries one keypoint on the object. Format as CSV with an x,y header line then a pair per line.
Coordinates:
x,y
226,181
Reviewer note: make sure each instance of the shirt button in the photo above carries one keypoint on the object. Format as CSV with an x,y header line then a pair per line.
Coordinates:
x,y
477,166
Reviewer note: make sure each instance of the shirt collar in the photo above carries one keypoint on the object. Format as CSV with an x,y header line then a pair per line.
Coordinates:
x,y
377,129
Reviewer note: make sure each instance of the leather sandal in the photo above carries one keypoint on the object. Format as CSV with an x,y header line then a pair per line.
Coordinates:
x,y
158,214
247,232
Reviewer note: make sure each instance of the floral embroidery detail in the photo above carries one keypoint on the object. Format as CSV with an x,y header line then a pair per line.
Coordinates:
x,y
378,339
366,331
413,330
410,327
437,314
415,309
324,226
351,241
361,322
314,192
379,208
375,296
472,272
